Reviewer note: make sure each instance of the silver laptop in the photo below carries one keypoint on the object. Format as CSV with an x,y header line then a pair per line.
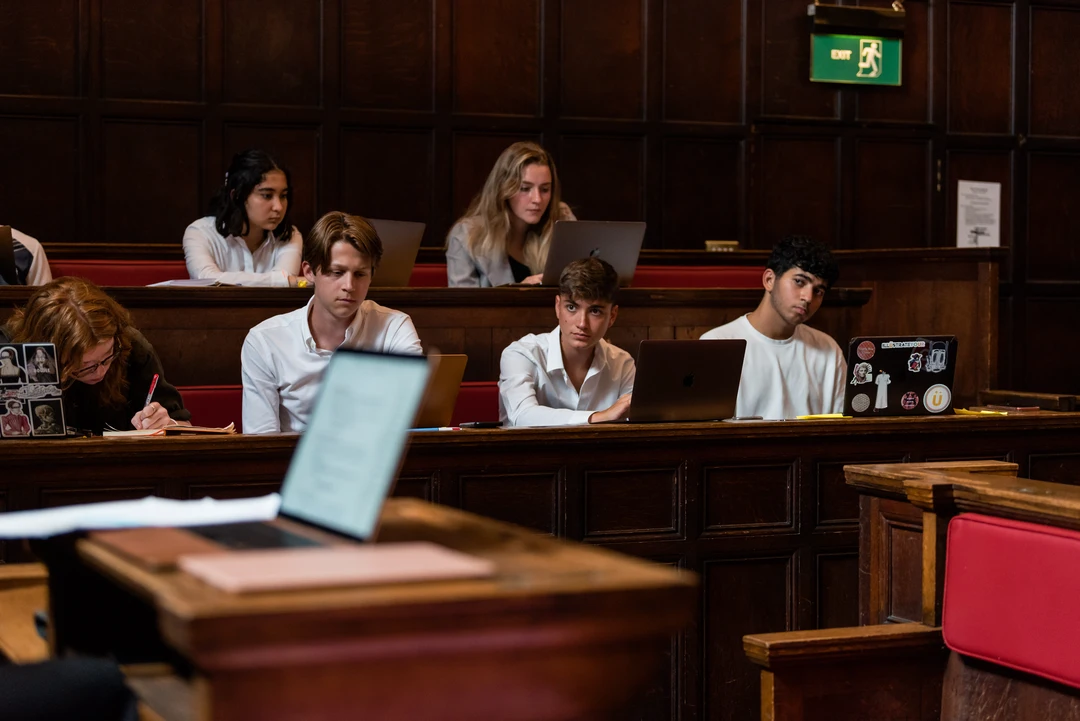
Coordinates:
x,y
400,242
686,380
617,242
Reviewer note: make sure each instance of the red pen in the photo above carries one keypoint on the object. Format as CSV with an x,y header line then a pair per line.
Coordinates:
x,y
150,393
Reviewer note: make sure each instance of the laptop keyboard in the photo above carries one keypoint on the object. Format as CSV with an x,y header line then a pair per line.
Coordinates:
x,y
252,535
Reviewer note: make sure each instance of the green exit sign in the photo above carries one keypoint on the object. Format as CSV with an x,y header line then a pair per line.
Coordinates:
x,y
854,59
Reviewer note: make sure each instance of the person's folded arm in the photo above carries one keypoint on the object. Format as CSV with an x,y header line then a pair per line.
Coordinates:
x,y
517,392
261,399
202,266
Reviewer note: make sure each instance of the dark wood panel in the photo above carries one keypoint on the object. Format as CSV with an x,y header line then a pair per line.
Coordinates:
x,y
474,154
53,497
837,577
731,683
1055,99
891,194
604,177
369,189
40,51
703,193
797,196
417,486
152,179
603,59
703,60
273,52
527,499
387,54
223,490
151,55
749,497
986,167
1053,220
299,149
980,82
786,89
634,502
1051,345
40,158
1054,467
837,502
496,65
911,102
903,551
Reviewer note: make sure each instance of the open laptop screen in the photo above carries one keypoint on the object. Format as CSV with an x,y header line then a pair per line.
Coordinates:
x,y
348,458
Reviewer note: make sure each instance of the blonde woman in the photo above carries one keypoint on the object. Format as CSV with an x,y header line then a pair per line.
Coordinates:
x,y
505,234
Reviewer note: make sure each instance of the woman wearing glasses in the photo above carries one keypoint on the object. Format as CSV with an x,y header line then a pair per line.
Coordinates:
x,y
106,365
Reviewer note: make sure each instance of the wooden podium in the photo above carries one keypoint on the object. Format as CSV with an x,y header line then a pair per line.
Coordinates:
x,y
562,631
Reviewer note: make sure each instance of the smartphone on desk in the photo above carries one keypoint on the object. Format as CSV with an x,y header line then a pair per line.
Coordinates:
x,y
480,424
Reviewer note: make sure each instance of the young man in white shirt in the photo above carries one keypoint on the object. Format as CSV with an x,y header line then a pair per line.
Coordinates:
x,y
570,375
789,369
284,357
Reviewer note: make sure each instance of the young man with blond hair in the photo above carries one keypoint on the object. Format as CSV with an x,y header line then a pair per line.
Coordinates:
x,y
570,375
284,357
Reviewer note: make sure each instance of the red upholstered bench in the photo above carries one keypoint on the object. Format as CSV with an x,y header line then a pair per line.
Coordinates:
x,y
477,401
696,276
214,406
121,272
428,275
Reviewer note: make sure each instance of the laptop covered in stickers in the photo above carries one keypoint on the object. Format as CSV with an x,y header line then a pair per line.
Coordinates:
x,y
31,399
900,376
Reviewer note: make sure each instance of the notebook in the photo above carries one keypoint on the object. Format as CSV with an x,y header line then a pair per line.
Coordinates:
x,y
400,242
900,375
686,380
347,459
31,400
441,394
619,243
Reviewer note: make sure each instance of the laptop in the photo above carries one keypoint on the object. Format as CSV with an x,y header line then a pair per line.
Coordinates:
x,y
400,241
31,400
347,460
441,395
617,242
686,380
900,375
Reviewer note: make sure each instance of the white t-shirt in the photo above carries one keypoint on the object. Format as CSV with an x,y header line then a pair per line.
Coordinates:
x,y
282,367
535,390
228,260
799,376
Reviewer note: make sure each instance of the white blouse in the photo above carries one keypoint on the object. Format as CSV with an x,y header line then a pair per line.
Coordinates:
x,y
228,260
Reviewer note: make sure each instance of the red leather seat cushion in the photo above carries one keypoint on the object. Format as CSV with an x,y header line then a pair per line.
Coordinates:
x,y
477,401
121,272
214,406
696,276
1012,595
428,275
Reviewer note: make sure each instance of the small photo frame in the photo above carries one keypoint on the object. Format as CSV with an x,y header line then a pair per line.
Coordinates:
x,y
41,365
12,370
14,422
47,418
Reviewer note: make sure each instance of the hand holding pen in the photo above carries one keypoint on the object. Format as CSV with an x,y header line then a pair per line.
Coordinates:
x,y
153,415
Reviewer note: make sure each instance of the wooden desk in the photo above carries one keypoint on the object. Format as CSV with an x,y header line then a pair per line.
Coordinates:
x,y
198,332
562,632
761,511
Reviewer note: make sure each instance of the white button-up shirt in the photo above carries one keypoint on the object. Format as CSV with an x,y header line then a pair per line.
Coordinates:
x,y
228,260
282,367
535,390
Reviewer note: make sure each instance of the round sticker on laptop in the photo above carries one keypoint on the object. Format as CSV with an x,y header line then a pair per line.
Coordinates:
x,y
937,398
860,403
866,350
910,401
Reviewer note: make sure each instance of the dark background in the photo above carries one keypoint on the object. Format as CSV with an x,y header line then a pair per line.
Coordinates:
x,y
118,117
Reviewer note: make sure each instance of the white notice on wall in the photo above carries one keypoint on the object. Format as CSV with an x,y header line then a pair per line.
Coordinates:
x,y
978,214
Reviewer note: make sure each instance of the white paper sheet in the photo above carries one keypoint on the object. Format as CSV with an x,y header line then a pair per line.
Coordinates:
x,y
149,511
978,214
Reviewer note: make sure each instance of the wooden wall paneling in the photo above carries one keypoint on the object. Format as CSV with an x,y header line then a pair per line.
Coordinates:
x,y
389,173
703,62
703,192
635,503
1053,218
531,499
603,59
836,589
1054,467
76,494
749,497
836,504
40,156
912,101
473,155
891,194
785,62
1049,347
41,49
604,176
223,491
388,55
148,54
729,613
980,67
273,52
496,57
796,196
1055,98
299,148
890,561
988,166
151,188
422,486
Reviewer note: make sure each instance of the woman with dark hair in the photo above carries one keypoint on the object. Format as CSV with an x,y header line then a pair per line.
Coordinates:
x,y
106,366
248,238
